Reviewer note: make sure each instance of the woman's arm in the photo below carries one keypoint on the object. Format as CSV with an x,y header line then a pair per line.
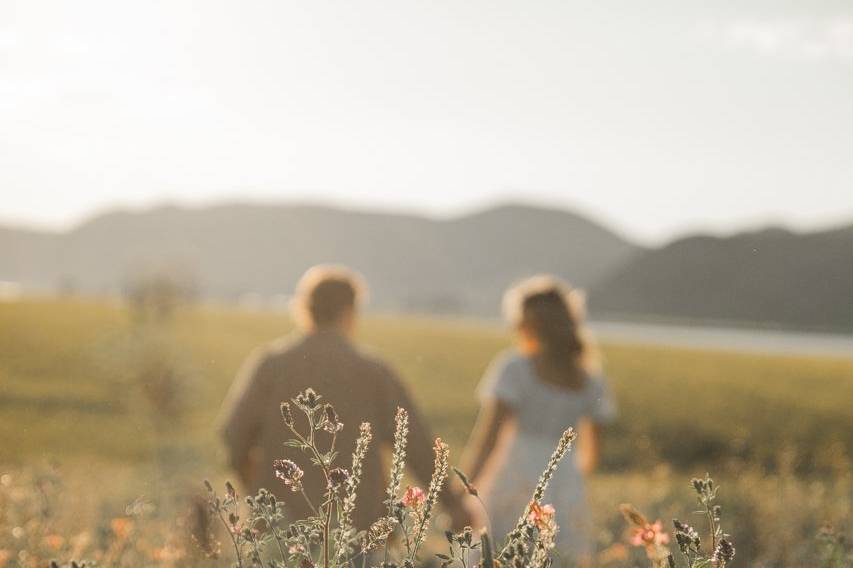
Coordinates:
x,y
589,446
495,421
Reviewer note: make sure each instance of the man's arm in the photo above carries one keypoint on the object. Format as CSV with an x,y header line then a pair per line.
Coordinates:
x,y
242,415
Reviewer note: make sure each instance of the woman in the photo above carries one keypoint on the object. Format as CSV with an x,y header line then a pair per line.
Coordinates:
x,y
529,397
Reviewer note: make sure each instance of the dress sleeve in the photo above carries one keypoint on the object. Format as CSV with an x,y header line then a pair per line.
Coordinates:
x,y
602,407
501,382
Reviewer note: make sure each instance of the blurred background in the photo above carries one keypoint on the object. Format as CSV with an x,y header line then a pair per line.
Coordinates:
x,y
169,169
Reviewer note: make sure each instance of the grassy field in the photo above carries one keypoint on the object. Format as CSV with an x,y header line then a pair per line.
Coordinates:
x,y
73,375
75,386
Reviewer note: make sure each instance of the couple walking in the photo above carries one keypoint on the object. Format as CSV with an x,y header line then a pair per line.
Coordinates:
x,y
528,397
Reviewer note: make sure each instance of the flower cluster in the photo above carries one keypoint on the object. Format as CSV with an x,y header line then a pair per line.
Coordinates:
x,y
289,473
724,553
414,497
541,516
307,400
329,539
687,538
379,532
330,422
398,457
256,532
439,475
347,505
651,535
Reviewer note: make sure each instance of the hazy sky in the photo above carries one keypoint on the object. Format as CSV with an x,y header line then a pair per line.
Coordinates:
x,y
658,117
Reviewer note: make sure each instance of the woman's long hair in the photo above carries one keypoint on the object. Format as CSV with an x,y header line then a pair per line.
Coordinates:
x,y
553,313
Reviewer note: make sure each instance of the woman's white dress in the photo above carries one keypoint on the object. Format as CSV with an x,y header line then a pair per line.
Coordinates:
x,y
543,412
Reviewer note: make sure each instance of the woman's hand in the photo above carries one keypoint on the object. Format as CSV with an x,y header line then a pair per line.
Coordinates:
x,y
495,420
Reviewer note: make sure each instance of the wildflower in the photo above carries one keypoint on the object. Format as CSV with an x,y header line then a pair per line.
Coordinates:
x,y
379,532
439,475
414,497
307,400
650,535
286,414
541,516
563,446
398,456
705,489
351,487
686,536
331,423
233,519
337,477
289,473
645,533
724,553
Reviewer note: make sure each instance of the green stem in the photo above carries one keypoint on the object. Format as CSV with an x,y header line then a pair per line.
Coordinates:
x,y
276,536
713,526
488,518
326,529
307,500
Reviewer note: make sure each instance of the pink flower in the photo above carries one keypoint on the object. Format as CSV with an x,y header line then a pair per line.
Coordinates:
x,y
414,497
541,515
649,535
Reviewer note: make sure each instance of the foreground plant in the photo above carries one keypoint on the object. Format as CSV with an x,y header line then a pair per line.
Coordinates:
x,y
328,538
258,535
652,537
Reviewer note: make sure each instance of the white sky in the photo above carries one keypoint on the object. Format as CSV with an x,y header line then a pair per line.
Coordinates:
x,y
657,117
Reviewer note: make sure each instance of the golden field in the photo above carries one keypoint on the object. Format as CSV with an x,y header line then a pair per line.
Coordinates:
x,y
76,389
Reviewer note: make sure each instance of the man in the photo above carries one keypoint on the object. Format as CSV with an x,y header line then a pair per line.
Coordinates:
x,y
360,387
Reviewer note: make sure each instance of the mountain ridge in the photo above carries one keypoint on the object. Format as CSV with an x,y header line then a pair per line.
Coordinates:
x,y
459,264
771,276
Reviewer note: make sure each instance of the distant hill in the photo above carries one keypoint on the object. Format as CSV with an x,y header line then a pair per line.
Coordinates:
x,y
771,276
458,265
